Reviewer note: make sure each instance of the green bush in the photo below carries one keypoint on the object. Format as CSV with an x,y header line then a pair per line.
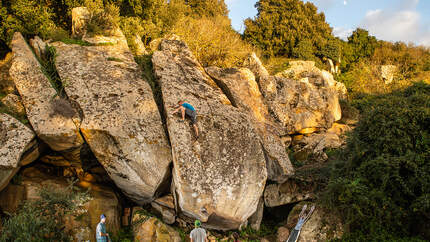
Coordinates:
x,y
42,219
381,181
104,19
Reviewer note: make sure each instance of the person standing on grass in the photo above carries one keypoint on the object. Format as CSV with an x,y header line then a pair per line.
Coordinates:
x,y
188,110
101,234
198,234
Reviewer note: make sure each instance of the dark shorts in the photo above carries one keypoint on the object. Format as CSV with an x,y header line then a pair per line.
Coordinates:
x,y
192,115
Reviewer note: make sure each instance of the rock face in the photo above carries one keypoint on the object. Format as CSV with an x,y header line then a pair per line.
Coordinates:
x,y
220,177
16,145
321,226
121,122
388,72
242,90
166,207
301,97
139,46
311,148
291,191
57,130
80,18
255,220
38,45
153,230
80,224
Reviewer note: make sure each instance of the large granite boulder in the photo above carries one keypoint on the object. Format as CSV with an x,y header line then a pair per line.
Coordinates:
x,y
16,145
312,148
121,121
242,89
321,226
151,229
51,124
220,177
299,98
291,191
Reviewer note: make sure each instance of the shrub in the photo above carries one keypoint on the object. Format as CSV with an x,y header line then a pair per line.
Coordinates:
x,y
104,19
381,182
41,219
212,41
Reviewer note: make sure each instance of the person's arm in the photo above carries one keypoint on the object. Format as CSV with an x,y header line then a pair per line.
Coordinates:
x,y
177,110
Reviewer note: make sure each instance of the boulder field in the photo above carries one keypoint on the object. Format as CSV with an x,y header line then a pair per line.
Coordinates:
x,y
249,121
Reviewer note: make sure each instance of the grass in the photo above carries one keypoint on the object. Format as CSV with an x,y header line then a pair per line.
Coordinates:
x,y
76,42
114,59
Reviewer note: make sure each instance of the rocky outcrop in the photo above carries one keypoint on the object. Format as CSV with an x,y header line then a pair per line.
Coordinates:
x,y
321,226
300,97
242,90
80,224
166,208
388,72
312,148
291,191
255,65
40,100
39,46
120,119
220,177
153,230
139,47
255,220
80,18
17,147
13,103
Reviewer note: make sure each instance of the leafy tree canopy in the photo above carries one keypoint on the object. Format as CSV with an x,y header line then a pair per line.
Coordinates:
x,y
283,25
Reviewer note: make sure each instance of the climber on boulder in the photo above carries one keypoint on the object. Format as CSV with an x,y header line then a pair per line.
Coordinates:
x,y
188,110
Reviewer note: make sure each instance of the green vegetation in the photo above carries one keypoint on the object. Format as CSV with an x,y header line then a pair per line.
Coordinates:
x,y
381,182
288,28
212,41
50,70
114,59
76,42
43,219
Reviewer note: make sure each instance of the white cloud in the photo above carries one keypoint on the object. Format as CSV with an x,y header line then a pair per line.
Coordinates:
x,y
401,24
342,33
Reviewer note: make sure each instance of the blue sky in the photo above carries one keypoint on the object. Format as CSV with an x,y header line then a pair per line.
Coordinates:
x,y
392,20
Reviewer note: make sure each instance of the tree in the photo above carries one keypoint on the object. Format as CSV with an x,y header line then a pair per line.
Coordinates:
x,y
362,44
28,17
208,8
281,25
332,52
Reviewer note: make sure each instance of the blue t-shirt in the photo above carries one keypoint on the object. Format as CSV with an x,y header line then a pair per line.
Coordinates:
x,y
101,227
188,106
